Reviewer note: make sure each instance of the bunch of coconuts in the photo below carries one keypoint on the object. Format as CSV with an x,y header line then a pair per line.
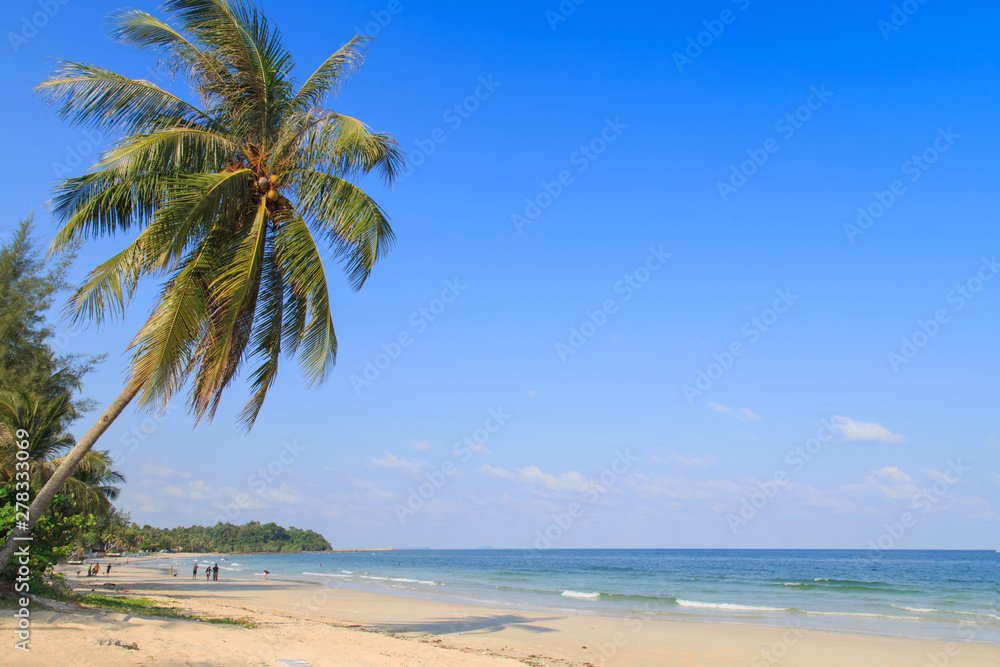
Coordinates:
x,y
269,184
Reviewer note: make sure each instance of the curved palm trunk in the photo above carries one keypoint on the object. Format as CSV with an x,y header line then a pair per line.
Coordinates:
x,y
44,498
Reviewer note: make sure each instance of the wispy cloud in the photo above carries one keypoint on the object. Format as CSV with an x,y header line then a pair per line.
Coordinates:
x,y
675,488
419,446
372,490
856,431
162,472
493,471
393,462
567,481
889,481
670,456
740,413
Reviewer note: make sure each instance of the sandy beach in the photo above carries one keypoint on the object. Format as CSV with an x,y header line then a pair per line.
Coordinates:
x,y
301,624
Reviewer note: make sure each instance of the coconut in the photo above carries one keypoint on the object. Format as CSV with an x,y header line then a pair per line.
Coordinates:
x,y
272,195
262,182
273,180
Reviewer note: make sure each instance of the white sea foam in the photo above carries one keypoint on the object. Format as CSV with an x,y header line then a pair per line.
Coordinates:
x,y
861,615
581,596
402,580
919,610
415,581
725,605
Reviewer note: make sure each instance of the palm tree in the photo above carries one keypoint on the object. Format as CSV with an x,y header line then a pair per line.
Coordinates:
x,y
91,487
230,196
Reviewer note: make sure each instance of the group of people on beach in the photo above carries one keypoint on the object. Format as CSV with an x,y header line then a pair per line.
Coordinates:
x,y
95,570
211,573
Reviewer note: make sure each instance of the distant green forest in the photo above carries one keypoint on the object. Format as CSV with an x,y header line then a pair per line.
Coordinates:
x,y
253,537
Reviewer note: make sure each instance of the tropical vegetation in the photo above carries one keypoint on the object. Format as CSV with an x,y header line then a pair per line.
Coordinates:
x,y
252,537
39,398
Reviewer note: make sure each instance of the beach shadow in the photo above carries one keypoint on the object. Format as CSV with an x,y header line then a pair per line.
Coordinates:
x,y
182,587
477,624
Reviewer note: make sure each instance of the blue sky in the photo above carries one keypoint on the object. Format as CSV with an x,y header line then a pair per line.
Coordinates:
x,y
604,205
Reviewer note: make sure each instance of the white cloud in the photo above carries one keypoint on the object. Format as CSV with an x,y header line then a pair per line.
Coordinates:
x,y
393,462
855,431
285,494
419,446
670,456
498,473
568,481
889,481
804,494
676,488
162,472
372,490
740,413
893,474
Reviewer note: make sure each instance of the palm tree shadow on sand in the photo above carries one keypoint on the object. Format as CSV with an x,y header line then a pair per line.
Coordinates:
x,y
479,624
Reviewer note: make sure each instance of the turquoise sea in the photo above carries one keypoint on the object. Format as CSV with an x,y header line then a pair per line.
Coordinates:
x,y
945,594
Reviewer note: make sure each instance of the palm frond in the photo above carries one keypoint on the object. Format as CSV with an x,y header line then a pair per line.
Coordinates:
x,y
234,293
335,143
110,286
173,150
99,98
328,78
302,271
165,347
351,222
103,204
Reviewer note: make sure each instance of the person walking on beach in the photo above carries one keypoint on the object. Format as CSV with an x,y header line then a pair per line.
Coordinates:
x,y
215,572
195,575
108,571
208,573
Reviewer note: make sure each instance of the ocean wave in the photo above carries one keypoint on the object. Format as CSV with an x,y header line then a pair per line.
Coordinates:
x,y
416,581
859,614
402,580
581,596
851,585
923,610
726,605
